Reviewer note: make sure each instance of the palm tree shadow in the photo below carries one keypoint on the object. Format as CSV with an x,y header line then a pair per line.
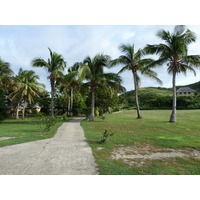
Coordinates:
x,y
93,142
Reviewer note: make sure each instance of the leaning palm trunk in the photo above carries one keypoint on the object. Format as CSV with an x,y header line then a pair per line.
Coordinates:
x,y
52,98
17,112
173,115
92,105
139,116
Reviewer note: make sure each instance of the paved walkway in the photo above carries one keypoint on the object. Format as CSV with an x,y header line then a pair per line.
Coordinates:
x,y
67,153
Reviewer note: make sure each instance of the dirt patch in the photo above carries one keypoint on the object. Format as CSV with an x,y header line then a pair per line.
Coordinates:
x,y
142,155
6,138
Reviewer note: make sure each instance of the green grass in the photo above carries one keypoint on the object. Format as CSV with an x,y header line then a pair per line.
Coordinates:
x,y
153,129
29,129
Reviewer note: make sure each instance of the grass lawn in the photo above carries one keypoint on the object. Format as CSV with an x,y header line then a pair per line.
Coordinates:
x,y
29,129
153,130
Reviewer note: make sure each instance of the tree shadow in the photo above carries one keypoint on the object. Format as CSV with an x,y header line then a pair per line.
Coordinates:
x,y
93,141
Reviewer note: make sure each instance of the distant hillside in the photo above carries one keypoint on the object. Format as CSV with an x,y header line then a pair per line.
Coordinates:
x,y
195,86
160,90
148,91
160,98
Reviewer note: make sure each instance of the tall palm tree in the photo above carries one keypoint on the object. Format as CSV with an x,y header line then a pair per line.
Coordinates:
x,y
174,52
92,70
55,67
133,61
26,88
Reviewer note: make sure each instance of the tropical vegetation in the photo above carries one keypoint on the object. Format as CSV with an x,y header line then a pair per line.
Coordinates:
x,y
91,88
92,70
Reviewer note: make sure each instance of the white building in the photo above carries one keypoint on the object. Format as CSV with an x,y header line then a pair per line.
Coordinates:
x,y
185,91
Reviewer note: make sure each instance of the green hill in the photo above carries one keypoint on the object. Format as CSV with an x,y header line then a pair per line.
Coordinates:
x,y
195,86
160,98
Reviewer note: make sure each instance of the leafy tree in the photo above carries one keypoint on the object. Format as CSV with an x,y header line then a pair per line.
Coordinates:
x,y
44,101
133,61
2,104
55,67
27,87
106,100
92,70
174,52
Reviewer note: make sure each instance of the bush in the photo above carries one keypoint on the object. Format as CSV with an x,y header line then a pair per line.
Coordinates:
x,y
64,116
96,112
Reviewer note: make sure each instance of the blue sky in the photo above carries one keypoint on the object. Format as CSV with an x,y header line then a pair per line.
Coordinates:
x,y
20,44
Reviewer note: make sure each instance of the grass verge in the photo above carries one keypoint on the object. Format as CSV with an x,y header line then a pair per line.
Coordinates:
x,y
155,130
29,129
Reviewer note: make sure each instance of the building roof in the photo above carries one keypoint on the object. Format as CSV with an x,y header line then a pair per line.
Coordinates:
x,y
185,89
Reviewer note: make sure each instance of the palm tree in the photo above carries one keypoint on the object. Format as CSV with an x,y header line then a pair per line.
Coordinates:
x,y
26,88
133,61
174,52
55,67
69,84
92,70
5,75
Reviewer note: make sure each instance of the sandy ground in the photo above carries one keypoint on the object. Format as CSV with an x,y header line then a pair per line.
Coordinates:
x,y
142,155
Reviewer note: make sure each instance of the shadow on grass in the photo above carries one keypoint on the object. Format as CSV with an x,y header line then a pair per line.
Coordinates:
x,y
94,142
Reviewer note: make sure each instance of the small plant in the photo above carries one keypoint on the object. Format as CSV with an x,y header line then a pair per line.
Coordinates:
x,y
45,123
105,136
64,116
49,123
103,117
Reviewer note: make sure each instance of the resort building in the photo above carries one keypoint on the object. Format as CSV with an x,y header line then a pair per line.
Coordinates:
x,y
185,91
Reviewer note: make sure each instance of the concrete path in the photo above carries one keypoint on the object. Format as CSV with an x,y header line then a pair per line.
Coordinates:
x,y
67,153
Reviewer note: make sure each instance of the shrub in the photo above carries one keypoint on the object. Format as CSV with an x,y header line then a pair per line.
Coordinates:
x,y
64,116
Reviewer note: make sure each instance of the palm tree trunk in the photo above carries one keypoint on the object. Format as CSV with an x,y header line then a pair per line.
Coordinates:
x,y
23,112
68,107
71,100
17,112
139,116
92,104
52,98
173,115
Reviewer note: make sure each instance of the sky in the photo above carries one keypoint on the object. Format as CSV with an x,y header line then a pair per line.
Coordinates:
x,y
20,44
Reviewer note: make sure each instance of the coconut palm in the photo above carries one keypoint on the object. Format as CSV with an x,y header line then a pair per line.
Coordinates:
x,y
174,52
92,70
69,84
55,66
133,61
26,88
5,75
